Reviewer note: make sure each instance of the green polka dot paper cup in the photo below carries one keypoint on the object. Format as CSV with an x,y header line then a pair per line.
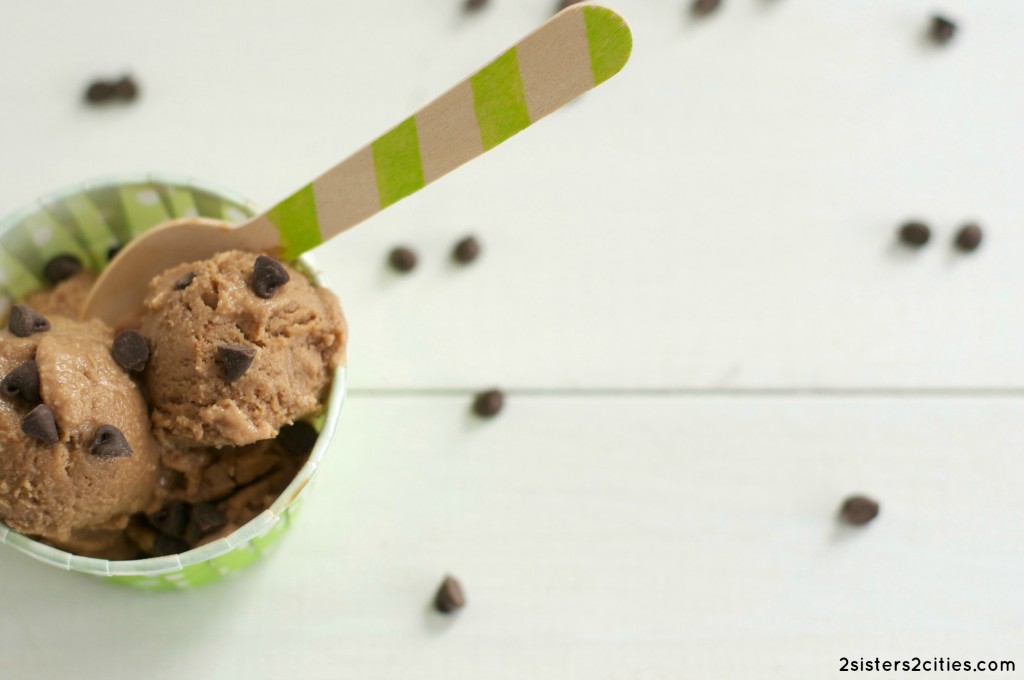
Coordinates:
x,y
92,221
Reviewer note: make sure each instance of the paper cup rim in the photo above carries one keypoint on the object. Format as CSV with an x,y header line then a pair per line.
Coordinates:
x,y
152,566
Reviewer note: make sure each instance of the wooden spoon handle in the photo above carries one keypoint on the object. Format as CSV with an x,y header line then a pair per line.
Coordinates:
x,y
576,50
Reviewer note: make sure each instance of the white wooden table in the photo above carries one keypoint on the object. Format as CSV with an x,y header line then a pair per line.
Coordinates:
x,y
690,290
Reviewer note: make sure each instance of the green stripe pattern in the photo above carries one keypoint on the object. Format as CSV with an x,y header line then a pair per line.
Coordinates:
x,y
610,42
397,163
297,221
499,100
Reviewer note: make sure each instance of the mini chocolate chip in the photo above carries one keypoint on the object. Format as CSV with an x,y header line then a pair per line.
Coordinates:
x,y
402,259
235,360
61,268
130,351
168,545
205,520
110,442
99,92
488,404
267,276
466,250
185,281
22,382
126,89
24,321
298,438
40,424
113,250
858,510
449,597
915,234
942,29
702,8
172,519
968,238
473,5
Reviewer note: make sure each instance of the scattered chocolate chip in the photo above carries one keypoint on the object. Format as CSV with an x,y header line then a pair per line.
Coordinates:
x,y
915,234
466,250
130,351
22,382
968,238
168,545
235,360
473,5
185,281
113,250
24,321
126,89
61,268
40,424
702,8
172,519
205,520
858,510
99,92
402,259
942,29
267,276
110,442
449,597
298,438
488,404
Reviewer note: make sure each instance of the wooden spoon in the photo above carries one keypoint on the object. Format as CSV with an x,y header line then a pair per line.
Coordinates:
x,y
576,50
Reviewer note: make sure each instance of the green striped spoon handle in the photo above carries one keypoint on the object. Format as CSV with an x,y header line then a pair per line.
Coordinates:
x,y
576,50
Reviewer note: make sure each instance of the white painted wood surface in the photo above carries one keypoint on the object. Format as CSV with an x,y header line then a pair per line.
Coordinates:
x,y
717,219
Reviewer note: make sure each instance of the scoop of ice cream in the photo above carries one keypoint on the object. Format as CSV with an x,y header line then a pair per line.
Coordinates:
x,y
66,298
76,454
241,345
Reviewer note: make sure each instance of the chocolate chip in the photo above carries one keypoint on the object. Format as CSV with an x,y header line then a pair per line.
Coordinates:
x,y
942,29
235,360
172,519
402,259
130,351
168,545
298,438
185,281
24,321
205,520
449,597
22,382
968,238
564,4
99,92
113,250
126,89
858,510
488,404
267,276
40,424
915,234
702,8
61,268
473,5
466,250
110,442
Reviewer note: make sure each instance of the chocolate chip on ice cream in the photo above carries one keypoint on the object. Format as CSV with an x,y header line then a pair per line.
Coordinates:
x,y
185,281
22,382
235,360
40,424
25,321
61,268
110,442
172,519
267,276
298,439
130,351
205,520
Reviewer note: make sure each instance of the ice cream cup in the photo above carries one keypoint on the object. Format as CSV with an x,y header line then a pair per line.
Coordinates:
x,y
89,221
